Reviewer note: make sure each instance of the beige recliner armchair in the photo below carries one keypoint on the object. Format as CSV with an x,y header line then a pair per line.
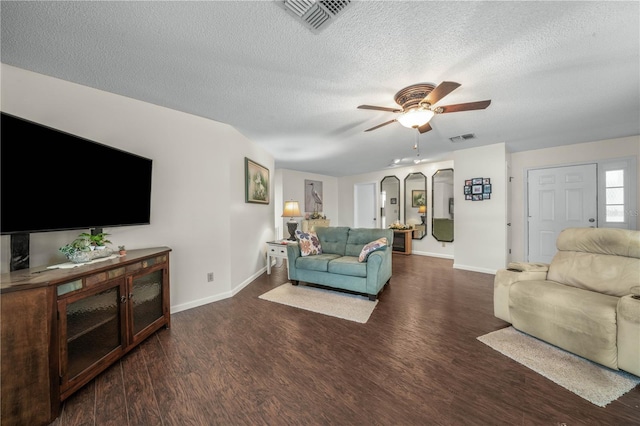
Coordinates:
x,y
581,301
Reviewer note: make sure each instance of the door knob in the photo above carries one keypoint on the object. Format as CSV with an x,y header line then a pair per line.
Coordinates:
x,y
591,220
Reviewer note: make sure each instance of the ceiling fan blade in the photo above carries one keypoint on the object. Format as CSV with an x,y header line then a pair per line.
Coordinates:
x,y
465,107
377,108
380,125
424,128
442,90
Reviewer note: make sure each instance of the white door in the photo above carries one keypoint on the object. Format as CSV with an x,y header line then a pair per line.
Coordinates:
x,y
364,210
508,208
559,198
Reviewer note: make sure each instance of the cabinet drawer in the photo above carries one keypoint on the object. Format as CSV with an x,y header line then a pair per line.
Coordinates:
x,y
278,251
147,263
101,277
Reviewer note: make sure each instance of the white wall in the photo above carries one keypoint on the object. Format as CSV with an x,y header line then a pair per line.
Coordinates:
x,y
564,155
198,207
480,226
427,246
292,188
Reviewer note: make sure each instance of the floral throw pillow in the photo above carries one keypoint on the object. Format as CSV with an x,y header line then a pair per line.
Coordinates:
x,y
378,244
308,242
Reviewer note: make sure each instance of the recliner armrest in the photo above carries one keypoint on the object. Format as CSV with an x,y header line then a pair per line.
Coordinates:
x,y
527,267
504,279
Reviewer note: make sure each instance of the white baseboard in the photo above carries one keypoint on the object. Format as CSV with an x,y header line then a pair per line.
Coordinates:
x,y
217,297
474,269
426,253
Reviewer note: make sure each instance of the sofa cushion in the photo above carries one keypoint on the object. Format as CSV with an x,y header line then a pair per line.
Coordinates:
x,y
577,320
616,242
599,259
333,239
348,265
359,237
309,243
319,262
608,274
378,244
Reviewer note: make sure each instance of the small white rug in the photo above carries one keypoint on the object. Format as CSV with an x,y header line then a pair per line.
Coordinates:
x,y
328,302
593,382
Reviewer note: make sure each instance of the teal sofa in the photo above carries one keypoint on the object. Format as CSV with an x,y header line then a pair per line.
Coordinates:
x,y
338,266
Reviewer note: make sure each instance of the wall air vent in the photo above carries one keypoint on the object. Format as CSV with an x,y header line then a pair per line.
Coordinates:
x,y
462,138
315,15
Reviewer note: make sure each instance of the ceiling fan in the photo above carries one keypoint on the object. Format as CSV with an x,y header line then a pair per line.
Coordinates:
x,y
416,102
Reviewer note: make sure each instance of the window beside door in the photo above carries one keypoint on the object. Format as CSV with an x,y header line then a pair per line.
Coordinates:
x,y
617,190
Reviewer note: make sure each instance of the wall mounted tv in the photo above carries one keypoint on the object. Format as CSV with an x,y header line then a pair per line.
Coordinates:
x,y
52,181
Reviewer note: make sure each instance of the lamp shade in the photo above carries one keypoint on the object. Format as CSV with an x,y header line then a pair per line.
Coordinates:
x,y
422,209
291,209
415,117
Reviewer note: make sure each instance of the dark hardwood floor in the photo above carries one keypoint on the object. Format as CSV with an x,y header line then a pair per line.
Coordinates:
x,y
247,361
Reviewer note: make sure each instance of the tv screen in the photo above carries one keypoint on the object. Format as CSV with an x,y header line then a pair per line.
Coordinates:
x,y
52,181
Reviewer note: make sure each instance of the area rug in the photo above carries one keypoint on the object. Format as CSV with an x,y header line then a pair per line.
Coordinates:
x,y
595,383
327,302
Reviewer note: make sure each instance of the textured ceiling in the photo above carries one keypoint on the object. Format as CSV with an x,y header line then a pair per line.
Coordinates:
x,y
557,72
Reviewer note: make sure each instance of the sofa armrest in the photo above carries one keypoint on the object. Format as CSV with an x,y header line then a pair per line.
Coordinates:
x,y
293,252
628,339
378,269
503,281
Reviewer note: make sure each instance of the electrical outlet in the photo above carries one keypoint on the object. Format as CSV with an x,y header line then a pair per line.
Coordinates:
x,y
210,276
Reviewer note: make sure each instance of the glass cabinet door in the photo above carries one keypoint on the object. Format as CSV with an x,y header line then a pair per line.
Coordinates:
x,y
146,296
90,329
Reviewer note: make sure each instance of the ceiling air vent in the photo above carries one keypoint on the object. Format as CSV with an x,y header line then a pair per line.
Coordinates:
x,y
315,15
462,138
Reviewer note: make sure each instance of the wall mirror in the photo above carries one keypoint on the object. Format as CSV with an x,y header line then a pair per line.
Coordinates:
x,y
415,203
389,201
442,205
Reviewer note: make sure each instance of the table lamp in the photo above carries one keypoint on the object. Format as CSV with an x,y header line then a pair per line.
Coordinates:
x,y
422,210
291,209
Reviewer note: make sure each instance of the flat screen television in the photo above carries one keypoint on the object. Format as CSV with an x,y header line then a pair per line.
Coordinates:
x,y
53,181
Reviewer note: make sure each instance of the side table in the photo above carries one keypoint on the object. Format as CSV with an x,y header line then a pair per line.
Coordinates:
x,y
275,249
402,241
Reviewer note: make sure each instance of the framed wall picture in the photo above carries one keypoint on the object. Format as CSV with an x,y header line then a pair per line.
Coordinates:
x,y
477,189
256,182
418,198
313,196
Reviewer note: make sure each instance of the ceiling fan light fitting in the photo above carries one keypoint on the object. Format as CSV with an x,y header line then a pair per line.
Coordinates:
x,y
415,117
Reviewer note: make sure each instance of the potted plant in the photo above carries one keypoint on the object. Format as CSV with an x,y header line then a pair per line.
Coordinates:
x,y
97,241
122,250
78,250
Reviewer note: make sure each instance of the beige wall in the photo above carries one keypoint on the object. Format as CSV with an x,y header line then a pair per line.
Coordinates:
x,y
198,206
427,246
290,186
480,226
564,155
